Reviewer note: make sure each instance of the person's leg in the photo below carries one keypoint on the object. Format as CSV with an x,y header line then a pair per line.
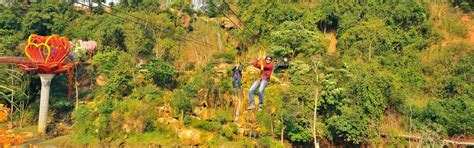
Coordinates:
x,y
251,95
234,80
263,85
239,83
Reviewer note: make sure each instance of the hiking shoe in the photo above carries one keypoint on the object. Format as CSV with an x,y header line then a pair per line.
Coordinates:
x,y
251,107
259,109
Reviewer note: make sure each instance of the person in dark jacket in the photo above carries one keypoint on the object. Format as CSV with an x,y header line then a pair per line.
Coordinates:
x,y
266,69
237,76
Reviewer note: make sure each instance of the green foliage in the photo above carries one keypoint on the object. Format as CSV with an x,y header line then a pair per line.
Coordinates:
x,y
224,116
350,126
161,72
454,114
206,125
181,102
120,74
371,37
150,6
452,24
353,93
110,32
104,62
229,131
47,18
299,105
137,115
150,94
9,21
265,16
214,8
450,116
227,57
465,5
269,142
139,39
460,85
291,39
84,121
103,118
217,140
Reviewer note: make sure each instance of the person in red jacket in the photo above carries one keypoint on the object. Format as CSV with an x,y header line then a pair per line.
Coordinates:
x,y
262,82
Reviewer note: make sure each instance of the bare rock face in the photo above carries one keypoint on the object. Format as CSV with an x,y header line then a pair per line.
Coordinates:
x,y
101,80
231,23
185,20
222,68
167,120
58,129
131,125
27,135
164,111
190,137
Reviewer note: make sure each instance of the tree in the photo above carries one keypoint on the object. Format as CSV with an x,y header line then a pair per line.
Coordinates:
x,y
47,18
109,32
162,73
369,36
139,39
292,39
214,7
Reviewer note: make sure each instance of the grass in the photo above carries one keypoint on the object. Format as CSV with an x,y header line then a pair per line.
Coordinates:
x,y
27,128
159,138
162,138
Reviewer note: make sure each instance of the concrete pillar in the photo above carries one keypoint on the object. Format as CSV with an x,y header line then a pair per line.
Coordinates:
x,y
43,112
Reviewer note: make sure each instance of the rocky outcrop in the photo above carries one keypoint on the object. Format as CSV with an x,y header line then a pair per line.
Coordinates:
x,y
190,137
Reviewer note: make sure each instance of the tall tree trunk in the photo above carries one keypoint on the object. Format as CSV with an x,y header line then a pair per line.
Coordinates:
x,y
219,41
370,50
271,125
11,110
43,112
76,87
315,117
282,129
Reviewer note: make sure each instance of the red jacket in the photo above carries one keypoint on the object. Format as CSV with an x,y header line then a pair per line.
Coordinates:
x,y
267,70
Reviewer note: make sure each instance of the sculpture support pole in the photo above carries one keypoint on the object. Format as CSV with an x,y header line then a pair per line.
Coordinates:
x,y
43,112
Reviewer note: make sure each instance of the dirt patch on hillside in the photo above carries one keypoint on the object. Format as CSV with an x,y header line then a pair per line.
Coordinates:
x,y
332,44
467,20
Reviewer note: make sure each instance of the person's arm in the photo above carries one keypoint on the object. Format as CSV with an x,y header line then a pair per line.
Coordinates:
x,y
256,64
277,66
240,72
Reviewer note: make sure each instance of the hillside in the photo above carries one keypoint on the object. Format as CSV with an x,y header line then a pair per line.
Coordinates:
x,y
369,74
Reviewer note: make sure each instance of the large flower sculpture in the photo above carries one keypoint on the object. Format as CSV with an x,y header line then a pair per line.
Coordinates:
x,y
47,55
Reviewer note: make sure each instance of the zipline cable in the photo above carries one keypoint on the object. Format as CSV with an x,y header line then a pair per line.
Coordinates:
x,y
263,48
160,28
240,20
242,29
152,25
